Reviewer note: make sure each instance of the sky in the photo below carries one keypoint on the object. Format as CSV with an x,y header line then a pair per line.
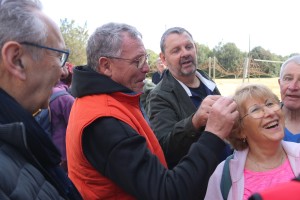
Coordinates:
x,y
273,25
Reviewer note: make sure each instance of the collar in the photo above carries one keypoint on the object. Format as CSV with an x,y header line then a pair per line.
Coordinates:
x,y
208,83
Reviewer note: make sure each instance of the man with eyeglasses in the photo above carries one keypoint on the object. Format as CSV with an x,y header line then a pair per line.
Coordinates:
x,y
112,151
32,55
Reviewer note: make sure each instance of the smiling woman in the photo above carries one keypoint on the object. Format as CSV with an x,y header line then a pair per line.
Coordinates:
x,y
260,152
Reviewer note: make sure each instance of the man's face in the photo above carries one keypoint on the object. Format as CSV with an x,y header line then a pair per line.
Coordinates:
x,y
290,86
160,66
44,73
126,72
180,55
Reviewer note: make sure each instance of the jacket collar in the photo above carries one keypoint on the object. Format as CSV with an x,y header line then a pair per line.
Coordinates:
x,y
208,83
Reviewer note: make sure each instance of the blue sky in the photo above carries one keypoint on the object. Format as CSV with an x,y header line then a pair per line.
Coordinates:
x,y
274,25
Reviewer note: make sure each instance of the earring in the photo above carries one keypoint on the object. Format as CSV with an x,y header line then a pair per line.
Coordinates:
x,y
244,140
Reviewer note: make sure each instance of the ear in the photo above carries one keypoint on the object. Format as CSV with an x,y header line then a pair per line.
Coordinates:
x,y
162,58
196,49
104,66
12,54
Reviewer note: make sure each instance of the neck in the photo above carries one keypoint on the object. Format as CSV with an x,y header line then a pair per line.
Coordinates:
x,y
259,161
292,120
192,82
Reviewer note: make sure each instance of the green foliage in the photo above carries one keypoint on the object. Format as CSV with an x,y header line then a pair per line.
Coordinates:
x,y
75,37
229,56
272,69
152,61
203,53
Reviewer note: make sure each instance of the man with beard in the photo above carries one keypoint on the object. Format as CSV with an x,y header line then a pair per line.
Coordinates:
x,y
178,107
289,83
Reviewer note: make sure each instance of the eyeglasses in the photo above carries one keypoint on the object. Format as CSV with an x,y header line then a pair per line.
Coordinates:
x,y
140,62
258,111
64,53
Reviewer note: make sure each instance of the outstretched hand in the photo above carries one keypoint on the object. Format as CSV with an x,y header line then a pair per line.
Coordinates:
x,y
222,116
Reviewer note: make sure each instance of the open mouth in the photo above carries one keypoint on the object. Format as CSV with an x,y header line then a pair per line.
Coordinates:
x,y
186,62
292,96
272,124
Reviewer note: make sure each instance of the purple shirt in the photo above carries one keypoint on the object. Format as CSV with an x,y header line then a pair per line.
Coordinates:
x,y
60,111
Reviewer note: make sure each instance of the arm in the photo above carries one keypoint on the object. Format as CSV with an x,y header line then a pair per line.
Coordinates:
x,y
171,121
120,153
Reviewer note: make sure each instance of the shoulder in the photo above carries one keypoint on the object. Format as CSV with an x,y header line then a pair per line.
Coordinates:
x,y
291,148
12,166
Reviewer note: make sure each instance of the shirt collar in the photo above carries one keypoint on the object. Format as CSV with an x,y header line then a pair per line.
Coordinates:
x,y
208,83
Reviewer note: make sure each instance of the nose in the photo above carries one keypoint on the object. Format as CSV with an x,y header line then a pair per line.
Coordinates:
x,y
185,52
294,85
145,67
268,111
64,72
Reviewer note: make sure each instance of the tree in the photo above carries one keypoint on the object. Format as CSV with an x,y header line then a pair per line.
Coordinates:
x,y
203,53
76,40
152,61
229,56
270,68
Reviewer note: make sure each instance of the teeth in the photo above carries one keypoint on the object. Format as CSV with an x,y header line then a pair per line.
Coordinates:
x,y
274,123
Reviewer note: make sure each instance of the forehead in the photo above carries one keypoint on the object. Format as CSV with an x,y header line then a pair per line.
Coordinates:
x,y
175,39
291,68
132,46
248,103
55,37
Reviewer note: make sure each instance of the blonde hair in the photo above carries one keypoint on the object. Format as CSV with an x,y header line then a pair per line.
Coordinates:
x,y
242,94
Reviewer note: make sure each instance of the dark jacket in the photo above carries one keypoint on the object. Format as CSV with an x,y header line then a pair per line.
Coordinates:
x,y
157,77
17,175
117,151
170,111
29,161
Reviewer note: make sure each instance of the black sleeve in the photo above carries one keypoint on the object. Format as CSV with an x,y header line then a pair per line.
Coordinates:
x,y
121,154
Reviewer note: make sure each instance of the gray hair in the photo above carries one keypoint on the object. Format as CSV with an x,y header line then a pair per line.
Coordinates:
x,y
295,59
19,22
177,30
107,40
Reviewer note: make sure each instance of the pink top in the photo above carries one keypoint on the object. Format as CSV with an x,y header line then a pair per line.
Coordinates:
x,y
257,181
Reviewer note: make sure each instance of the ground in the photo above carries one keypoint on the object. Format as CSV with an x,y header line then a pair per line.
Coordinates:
x,y
228,86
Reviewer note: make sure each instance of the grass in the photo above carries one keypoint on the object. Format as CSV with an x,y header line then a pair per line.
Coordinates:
x,y
228,86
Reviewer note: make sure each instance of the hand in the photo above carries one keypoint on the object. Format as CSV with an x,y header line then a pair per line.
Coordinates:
x,y
221,117
201,115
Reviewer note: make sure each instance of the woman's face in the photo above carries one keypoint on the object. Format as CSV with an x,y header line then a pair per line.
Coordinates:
x,y
262,121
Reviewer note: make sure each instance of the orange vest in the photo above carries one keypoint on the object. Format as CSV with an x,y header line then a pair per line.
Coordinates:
x,y
90,183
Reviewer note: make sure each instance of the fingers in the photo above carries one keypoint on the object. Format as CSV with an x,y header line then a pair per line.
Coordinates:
x,y
222,117
201,115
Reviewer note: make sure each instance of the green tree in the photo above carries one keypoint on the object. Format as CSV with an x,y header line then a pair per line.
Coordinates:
x,y
75,37
203,53
265,65
152,61
229,56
